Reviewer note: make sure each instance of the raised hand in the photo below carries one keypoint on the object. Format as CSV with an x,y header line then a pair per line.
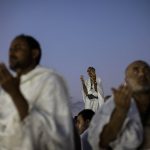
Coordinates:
x,y
11,86
7,81
122,97
82,78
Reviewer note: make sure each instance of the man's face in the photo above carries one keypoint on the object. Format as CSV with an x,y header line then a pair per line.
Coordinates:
x,y
138,76
20,55
81,124
91,73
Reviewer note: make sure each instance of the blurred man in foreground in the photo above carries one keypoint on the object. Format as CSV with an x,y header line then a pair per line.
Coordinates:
x,y
34,110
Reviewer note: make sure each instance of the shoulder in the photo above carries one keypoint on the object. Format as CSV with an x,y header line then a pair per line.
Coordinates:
x,y
44,72
43,75
52,75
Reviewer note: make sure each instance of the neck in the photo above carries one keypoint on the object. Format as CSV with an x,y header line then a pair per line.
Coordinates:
x,y
23,71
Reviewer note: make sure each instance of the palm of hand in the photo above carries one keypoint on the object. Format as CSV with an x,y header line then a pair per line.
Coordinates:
x,y
122,97
7,81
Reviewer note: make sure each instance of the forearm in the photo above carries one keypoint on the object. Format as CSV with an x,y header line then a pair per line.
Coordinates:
x,y
11,85
112,129
84,88
20,103
95,86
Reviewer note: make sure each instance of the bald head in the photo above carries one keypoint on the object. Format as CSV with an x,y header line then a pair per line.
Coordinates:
x,y
137,76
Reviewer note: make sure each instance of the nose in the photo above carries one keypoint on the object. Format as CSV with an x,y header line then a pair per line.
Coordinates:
x,y
141,72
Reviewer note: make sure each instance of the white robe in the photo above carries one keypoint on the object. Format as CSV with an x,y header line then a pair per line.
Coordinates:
x,y
84,141
131,134
48,125
94,103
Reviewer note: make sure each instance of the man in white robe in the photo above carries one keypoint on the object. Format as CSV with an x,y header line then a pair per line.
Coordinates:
x,y
34,107
93,95
123,121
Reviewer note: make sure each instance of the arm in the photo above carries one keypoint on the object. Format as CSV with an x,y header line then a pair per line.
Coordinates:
x,y
11,86
94,82
113,127
83,85
95,86
122,97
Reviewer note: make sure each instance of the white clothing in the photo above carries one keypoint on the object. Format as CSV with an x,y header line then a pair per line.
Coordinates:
x,y
146,142
85,145
131,134
48,125
94,103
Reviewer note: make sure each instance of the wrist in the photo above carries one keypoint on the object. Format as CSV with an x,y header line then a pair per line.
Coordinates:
x,y
121,110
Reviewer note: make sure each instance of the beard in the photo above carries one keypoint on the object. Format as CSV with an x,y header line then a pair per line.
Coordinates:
x,y
139,87
14,63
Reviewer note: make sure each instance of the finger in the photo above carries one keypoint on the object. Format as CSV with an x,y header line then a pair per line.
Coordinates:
x,y
126,95
5,75
4,71
113,90
121,87
127,91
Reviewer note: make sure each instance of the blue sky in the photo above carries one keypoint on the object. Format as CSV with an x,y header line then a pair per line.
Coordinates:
x,y
75,34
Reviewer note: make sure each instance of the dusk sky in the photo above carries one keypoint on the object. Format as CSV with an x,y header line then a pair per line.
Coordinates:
x,y
75,34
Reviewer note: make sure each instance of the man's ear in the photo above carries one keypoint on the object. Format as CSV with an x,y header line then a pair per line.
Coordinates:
x,y
35,53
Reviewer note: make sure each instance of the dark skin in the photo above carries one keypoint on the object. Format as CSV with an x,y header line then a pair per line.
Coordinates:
x,y
83,84
19,52
137,87
8,82
122,97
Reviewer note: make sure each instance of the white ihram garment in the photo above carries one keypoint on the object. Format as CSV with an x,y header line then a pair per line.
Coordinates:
x,y
94,103
48,125
131,134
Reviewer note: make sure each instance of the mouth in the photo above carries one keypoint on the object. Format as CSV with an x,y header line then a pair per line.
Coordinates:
x,y
143,81
12,60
